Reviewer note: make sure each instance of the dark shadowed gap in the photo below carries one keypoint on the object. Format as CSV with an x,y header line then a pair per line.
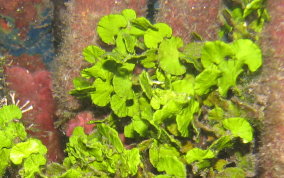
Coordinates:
x,y
57,24
152,10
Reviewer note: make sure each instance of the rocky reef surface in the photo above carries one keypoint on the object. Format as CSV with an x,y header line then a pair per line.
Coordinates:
x,y
272,86
191,16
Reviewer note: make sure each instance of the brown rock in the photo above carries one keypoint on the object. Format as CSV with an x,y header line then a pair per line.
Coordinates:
x,y
188,16
272,150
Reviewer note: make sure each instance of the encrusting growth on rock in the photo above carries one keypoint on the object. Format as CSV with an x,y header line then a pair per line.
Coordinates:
x,y
271,85
191,16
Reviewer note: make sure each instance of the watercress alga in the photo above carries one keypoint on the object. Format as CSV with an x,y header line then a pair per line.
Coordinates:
x,y
168,98
160,91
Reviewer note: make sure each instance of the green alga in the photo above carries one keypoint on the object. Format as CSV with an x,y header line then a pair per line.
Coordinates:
x,y
159,91
15,146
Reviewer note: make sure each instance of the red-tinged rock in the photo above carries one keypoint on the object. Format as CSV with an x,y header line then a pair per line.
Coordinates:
x,y
188,16
4,25
272,85
81,119
31,63
36,88
50,138
24,13
81,20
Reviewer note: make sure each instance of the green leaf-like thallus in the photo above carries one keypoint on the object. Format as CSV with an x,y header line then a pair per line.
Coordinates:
x,y
239,127
168,55
165,158
25,149
8,113
197,154
109,26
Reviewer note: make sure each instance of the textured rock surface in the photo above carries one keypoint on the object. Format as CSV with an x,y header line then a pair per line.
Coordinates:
x,y
272,151
23,13
80,20
187,16
25,27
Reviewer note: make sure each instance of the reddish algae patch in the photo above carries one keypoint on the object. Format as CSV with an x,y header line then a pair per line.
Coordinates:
x,y
81,119
34,85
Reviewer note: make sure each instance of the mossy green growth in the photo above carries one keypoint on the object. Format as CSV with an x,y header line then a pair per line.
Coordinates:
x,y
160,93
243,19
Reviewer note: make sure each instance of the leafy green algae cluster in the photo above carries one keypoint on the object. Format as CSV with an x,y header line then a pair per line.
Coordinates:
x,y
163,93
169,99
16,149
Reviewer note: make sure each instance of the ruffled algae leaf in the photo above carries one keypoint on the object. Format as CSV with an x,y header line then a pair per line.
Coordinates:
x,y
239,127
214,52
153,37
206,79
248,52
102,95
9,113
197,154
168,55
109,26
166,159
25,149
92,53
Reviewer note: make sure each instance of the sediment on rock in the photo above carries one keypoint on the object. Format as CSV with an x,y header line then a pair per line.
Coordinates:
x,y
80,19
188,16
272,150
